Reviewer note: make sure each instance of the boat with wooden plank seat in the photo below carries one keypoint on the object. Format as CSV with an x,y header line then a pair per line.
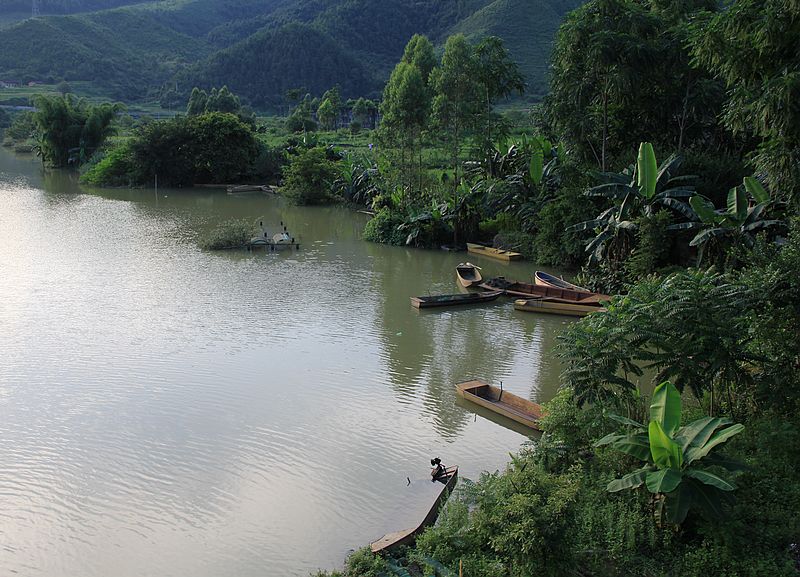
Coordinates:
x,y
407,536
502,402
496,253
468,274
542,278
531,291
425,302
557,307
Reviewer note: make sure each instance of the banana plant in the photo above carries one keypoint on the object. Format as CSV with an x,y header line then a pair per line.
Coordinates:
x,y
677,459
638,190
739,222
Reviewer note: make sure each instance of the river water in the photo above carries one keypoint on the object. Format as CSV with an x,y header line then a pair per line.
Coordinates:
x,y
166,411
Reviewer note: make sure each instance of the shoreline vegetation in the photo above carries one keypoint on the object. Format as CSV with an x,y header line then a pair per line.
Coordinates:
x,y
664,164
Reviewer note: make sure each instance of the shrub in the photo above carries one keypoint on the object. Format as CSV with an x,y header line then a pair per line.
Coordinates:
x,y
309,177
116,168
383,228
555,245
232,233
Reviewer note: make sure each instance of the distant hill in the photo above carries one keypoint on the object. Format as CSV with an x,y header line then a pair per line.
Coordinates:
x,y
259,48
528,29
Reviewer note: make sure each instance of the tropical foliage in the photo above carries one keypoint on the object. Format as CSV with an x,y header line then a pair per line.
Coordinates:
x,y
677,459
70,129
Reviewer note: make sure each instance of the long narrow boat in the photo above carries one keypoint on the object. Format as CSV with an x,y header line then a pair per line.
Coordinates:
x,y
496,253
502,402
452,300
531,291
468,274
542,278
557,307
408,536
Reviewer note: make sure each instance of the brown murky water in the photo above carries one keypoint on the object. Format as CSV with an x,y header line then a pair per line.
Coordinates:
x,y
166,411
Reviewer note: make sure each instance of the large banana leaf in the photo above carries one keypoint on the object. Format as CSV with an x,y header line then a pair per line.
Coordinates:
x,y
666,453
663,480
665,407
755,189
704,209
707,235
681,207
678,502
761,224
717,438
710,479
697,433
737,204
613,190
647,170
629,481
634,445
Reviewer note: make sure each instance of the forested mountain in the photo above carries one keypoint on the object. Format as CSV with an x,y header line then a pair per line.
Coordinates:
x,y
260,48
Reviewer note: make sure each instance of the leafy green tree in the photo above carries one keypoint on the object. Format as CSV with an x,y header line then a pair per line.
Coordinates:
x,y
364,112
751,47
198,101
458,104
677,459
309,177
211,148
72,129
499,75
406,110
419,52
223,146
690,328
621,75
223,100
327,114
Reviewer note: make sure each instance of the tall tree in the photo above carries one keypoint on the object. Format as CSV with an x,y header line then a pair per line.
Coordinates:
x,y
419,52
459,102
753,47
621,75
71,129
499,75
406,103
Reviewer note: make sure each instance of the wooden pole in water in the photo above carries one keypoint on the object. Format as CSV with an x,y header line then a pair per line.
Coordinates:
x,y
460,568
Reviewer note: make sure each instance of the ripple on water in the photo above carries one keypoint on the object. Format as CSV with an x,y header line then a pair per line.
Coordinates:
x,y
167,411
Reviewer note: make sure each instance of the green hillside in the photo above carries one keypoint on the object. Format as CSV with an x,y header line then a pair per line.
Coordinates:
x,y
260,48
124,52
309,58
528,28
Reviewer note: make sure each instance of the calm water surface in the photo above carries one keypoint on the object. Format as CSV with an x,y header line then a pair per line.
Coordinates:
x,y
166,411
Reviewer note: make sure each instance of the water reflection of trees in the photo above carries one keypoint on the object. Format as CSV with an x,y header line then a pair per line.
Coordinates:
x,y
427,352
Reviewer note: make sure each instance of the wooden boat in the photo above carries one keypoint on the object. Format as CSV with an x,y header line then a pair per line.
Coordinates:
x,y
452,300
496,253
532,291
556,307
468,274
542,278
502,402
408,536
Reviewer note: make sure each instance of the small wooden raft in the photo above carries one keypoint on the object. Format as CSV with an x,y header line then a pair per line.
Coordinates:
x,y
408,536
502,402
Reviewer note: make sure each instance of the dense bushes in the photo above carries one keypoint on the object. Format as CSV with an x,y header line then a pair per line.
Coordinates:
x,y
209,148
309,177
